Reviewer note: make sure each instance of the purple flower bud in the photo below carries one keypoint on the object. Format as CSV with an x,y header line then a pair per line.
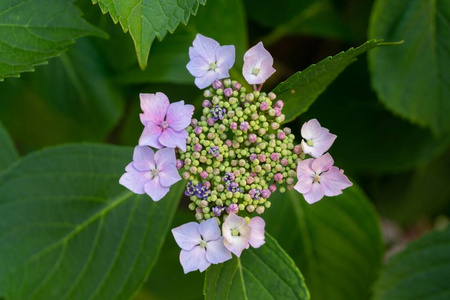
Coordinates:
x,y
233,187
229,142
206,103
264,106
204,174
284,162
252,137
237,86
255,193
217,210
244,126
233,208
265,193
228,178
253,174
211,121
274,156
217,84
179,164
277,111
207,184
272,187
278,177
250,180
253,156
281,135
214,151
228,92
198,130
261,157
194,122
197,147
233,125
279,104
298,149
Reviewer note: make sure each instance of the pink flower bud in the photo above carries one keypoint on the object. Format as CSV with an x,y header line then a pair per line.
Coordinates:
x,y
284,162
233,208
274,125
277,111
279,104
217,84
206,103
274,156
266,193
237,86
198,130
179,164
261,157
278,177
298,149
250,180
210,122
207,184
228,143
197,147
252,157
272,187
194,122
252,137
204,174
281,135
244,126
264,106
186,175
228,92
287,130
233,125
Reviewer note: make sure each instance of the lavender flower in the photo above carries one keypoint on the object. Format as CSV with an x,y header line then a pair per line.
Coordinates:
x,y
317,139
257,64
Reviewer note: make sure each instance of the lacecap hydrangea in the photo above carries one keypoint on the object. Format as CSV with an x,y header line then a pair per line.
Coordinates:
x,y
233,157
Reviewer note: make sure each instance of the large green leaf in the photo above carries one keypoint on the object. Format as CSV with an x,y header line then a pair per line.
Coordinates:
x,y
421,271
301,89
263,273
335,242
69,230
8,152
147,20
413,80
32,31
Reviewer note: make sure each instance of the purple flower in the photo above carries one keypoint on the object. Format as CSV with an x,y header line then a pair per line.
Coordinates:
x,y
151,173
201,245
217,210
318,177
165,124
257,64
209,61
190,189
218,113
228,178
233,187
317,140
233,208
214,151
255,194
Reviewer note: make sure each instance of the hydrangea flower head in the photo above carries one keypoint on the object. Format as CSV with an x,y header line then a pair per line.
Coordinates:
x,y
316,139
151,173
209,61
165,123
257,65
201,245
318,177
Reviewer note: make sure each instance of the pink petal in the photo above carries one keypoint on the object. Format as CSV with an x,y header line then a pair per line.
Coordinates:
x,y
309,149
154,107
179,115
216,252
194,260
322,163
304,167
322,143
304,184
209,229
155,190
143,158
134,180
266,70
225,56
197,66
259,52
334,181
236,243
205,47
257,237
315,194
173,139
311,129
207,80
150,136
169,175
187,235
249,65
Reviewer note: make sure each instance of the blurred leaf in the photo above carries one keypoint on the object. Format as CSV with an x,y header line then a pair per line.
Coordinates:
x,y
72,99
370,138
413,80
68,230
167,62
421,271
335,242
263,273
147,21
8,152
33,31
301,89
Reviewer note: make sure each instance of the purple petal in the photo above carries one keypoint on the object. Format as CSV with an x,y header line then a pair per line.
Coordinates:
x,y
179,115
173,139
150,136
311,129
266,70
216,252
155,190
322,143
165,157
154,107
207,80
209,230
134,180
169,175
259,52
187,235
257,237
194,260
249,65
315,194
304,167
205,47
143,158
197,66
304,184
334,181
225,56
322,163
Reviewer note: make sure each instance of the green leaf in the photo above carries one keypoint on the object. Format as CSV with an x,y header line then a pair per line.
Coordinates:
x,y
301,89
32,31
335,242
421,271
413,80
263,273
69,230
8,152
147,21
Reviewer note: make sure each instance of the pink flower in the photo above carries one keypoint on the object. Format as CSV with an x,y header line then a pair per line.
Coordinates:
x,y
318,177
209,61
317,140
165,124
201,245
257,64
151,173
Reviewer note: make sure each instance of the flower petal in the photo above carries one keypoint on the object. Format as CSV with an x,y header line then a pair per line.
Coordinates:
x,y
322,163
179,115
155,190
311,129
143,158
334,181
247,70
194,260
236,244
209,230
165,157
134,180
239,242
173,139
225,56
304,184
216,252
154,107
259,52
266,70
207,80
257,237
205,47
322,143
150,136
187,235
169,175
315,194
304,167
197,66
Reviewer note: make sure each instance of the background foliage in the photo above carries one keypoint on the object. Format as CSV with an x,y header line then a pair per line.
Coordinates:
x,y
68,230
